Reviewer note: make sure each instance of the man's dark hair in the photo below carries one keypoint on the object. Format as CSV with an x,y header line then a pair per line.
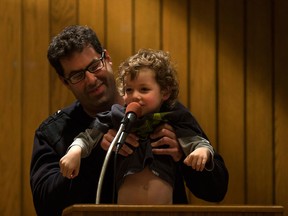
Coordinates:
x,y
72,39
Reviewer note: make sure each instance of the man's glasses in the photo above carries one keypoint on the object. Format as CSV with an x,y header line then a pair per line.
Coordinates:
x,y
95,66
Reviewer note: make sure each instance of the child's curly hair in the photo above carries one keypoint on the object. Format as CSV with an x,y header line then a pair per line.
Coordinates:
x,y
157,60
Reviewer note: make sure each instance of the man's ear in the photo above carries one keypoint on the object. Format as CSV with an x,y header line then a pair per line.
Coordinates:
x,y
108,57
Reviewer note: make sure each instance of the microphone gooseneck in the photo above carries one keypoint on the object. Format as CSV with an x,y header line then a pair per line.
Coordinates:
x,y
133,111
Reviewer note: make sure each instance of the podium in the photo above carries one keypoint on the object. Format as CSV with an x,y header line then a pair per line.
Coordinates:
x,y
172,210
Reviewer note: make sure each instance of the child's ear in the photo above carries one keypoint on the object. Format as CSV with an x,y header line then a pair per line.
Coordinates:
x,y
166,95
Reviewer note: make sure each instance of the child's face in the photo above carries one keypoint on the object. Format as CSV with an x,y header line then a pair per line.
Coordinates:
x,y
145,90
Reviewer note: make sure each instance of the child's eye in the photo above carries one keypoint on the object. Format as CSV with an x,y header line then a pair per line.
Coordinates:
x,y
128,90
144,89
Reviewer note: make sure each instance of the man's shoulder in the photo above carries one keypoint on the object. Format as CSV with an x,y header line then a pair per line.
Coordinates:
x,y
60,115
64,124
71,119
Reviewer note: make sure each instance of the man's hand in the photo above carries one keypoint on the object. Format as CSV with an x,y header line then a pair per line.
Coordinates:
x,y
125,150
165,135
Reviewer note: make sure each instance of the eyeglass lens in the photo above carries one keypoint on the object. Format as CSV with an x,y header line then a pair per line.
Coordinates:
x,y
95,66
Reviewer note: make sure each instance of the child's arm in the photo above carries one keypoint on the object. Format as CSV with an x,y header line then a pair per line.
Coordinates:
x,y
199,152
198,158
70,163
80,148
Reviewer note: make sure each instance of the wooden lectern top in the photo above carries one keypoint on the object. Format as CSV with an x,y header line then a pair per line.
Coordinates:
x,y
172,210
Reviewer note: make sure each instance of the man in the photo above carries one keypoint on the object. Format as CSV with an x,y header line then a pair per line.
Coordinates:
x,y
85,69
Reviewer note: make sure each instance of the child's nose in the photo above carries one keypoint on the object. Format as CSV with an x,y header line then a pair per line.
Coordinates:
x,y
136,96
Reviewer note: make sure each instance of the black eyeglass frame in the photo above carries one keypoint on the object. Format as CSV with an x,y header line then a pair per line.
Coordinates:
x,y
88,68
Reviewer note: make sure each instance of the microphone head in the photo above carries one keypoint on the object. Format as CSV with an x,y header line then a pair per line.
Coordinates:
x,y
135,108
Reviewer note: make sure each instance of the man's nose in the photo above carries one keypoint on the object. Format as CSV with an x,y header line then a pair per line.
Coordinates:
x,y
90,76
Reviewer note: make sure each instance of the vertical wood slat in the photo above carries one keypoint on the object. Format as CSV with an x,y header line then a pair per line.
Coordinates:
x,y
202,81
62,14
231,95
175,40
259,104
119,30
281,102
10,107
146,24
92,14
35,80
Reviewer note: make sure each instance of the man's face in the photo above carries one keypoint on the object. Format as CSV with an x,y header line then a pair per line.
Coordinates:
x,y
97,91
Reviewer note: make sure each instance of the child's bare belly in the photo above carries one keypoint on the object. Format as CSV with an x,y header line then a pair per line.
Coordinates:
x,y
145,188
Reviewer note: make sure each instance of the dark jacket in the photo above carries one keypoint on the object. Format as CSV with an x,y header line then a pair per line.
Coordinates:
x,y
52,192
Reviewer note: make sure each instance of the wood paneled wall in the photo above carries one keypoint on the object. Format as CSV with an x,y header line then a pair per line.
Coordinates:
x,y
232,63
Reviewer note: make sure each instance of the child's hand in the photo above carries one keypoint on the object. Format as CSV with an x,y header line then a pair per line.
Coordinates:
x,y
198,158
70,163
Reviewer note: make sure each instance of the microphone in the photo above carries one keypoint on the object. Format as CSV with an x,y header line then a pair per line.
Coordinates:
x,y
133,111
